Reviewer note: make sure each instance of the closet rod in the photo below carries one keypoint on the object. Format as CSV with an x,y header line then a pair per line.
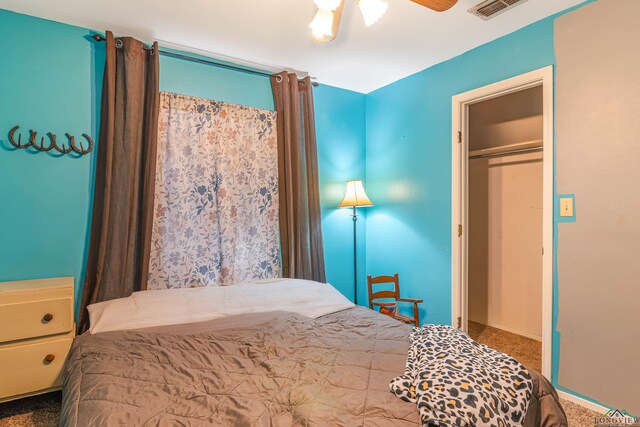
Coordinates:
x,y
505,153
99,38
505,150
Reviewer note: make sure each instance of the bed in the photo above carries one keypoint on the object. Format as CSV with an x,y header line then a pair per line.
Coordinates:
x,y
261,367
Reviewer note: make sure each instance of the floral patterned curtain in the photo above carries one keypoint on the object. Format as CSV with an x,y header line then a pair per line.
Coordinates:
x,y
216,194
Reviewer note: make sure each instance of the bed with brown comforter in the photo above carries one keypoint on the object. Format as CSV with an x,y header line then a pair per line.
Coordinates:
x,y
268,369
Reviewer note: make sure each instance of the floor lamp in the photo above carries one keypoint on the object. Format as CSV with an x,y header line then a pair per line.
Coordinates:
x,y
355,197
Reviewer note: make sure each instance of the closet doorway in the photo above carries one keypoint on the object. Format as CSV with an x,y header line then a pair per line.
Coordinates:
x,y
502,212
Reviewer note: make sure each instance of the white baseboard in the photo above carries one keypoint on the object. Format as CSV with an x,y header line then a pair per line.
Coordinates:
x,y
583,402
505,328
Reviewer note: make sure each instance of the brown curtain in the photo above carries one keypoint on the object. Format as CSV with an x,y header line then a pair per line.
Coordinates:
x,y
118,260
300,222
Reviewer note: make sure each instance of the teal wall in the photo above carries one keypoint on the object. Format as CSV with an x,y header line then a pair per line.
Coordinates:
x,y
408,163
340,120
50,80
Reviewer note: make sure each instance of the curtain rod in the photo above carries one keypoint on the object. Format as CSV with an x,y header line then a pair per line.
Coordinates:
x,y
99,38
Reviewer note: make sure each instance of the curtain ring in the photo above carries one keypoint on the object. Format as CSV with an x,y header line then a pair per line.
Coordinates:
x,y
279,78
118,43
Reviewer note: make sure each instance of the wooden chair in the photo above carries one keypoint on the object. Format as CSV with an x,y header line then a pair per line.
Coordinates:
x,y
392,294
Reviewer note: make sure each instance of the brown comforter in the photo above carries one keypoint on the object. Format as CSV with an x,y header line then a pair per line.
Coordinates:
x,y
270,369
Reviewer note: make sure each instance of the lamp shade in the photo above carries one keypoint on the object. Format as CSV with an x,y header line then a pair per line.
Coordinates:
x,y
372,10
355,195
322,24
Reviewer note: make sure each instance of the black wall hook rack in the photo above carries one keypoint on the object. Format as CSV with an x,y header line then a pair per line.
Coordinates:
x,y
53,143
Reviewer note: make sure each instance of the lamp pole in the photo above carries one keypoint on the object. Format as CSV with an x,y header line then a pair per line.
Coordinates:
x,y
354,197
355,258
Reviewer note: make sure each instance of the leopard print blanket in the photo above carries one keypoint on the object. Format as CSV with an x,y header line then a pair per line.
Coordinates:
x,y
455,381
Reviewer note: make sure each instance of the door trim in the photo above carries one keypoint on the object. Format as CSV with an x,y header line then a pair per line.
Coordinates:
x,y
459,309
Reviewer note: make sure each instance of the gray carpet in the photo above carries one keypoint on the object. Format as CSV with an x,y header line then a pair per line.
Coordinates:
x,y
36,411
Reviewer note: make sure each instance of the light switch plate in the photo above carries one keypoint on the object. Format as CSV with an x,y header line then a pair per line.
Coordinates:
x,y
566,206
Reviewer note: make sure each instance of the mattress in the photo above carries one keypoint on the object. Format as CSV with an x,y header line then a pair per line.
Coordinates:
x,y
259,369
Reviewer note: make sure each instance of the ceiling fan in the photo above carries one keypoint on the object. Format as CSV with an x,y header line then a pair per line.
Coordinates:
x,y
327,21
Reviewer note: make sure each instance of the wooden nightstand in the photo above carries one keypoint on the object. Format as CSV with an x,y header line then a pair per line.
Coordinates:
x,y
36,332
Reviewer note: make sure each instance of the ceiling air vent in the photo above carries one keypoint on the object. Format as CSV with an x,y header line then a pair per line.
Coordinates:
x,y
491,8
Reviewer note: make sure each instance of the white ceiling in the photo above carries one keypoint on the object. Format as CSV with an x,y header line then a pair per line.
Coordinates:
x,y
409,38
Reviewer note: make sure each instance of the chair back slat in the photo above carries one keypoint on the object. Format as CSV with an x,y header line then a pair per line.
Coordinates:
x,y
395,293
383,294
382,279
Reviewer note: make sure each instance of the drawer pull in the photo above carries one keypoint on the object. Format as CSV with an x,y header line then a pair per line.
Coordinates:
x,y
49,358
47,318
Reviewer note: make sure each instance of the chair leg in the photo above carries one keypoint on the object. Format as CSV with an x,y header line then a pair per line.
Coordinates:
x,y
416,315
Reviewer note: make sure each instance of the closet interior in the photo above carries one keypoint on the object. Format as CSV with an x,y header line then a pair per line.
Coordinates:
x,y
505,223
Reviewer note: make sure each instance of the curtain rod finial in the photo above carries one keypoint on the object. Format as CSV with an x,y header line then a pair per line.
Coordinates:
x,y
97,37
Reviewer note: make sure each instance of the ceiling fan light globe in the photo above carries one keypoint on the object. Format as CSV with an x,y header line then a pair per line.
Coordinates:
x,y
372,10
328,5
322,24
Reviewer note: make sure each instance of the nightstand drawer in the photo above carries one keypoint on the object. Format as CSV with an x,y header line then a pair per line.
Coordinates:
x,y
22,320
32,367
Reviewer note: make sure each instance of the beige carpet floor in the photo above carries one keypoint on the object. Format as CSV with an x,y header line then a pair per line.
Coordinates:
x,y
44,411
528,352
525,350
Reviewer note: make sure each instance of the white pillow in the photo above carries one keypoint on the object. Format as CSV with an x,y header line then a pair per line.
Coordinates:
x,y
147,309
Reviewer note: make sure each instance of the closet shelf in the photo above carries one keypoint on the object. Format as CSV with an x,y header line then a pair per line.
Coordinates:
x,y
521,147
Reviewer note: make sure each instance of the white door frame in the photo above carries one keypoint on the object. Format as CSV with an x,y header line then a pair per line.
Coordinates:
x,y
459,263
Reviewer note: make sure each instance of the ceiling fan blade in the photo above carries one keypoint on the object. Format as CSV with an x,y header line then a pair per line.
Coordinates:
x,y
437,5
337,16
